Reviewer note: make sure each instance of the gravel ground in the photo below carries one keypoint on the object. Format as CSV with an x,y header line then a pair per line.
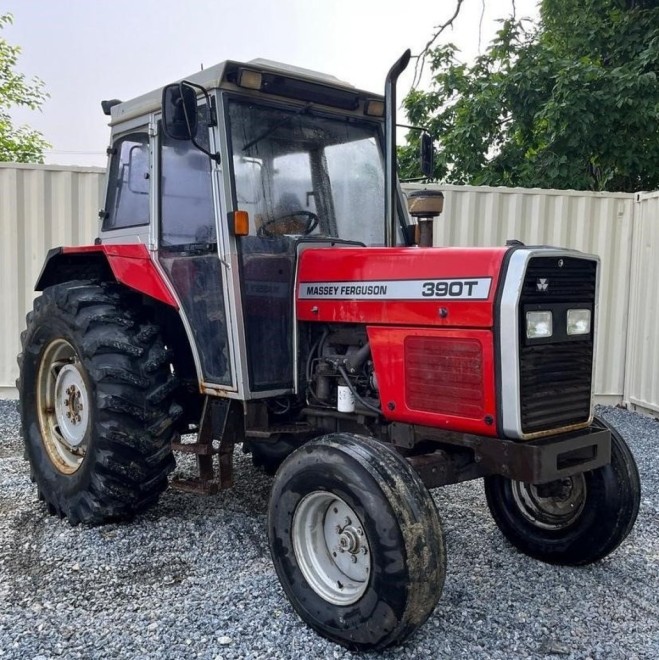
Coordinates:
x,y
193,578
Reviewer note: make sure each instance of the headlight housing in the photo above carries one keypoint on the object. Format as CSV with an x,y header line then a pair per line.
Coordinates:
x,y
578,321
539,325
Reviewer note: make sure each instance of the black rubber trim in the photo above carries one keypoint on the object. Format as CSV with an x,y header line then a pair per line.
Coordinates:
x,y
44,275
60,266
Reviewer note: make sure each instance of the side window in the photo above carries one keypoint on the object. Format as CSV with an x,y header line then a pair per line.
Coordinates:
x,y
186,194
357,189
127,203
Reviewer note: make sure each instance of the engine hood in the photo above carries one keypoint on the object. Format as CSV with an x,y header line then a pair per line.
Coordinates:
x,y
442,287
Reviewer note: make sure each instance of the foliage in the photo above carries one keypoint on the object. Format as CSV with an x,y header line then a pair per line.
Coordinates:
x,y
572,102
22,144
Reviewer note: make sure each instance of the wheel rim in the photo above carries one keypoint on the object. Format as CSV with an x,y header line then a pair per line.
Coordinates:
x,y
555,505
63,406
331,548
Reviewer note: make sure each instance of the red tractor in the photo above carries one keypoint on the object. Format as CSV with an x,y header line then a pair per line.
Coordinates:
x,y
257,280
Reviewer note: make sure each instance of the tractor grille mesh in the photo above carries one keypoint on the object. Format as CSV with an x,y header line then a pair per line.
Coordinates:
x,y
574,281
444,375
556,378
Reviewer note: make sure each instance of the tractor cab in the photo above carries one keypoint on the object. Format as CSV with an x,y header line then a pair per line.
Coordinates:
x,y
237,170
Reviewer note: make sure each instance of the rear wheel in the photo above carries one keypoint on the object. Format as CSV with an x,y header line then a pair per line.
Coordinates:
x,y
356,541
572,521
268,455
96,394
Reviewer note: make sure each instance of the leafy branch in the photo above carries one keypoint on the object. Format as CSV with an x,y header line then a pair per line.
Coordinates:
x,y
569,102
21,144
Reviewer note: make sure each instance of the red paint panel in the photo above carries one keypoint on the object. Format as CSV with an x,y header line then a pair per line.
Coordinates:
x,y
128,250
131,264
453,388
363,265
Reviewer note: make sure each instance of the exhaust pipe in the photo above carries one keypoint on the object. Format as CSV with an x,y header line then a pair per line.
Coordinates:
x,y
390,191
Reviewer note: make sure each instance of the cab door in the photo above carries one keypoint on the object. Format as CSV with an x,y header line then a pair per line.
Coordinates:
x,y
188,250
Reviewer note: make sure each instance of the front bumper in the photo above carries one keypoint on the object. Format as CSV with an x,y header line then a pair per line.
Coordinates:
x,y
460,457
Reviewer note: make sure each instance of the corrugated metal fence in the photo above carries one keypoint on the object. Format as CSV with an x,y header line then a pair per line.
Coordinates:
x,y
642,369
41,206
45,206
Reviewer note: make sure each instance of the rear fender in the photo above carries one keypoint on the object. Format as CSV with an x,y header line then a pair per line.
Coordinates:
x,y
131,265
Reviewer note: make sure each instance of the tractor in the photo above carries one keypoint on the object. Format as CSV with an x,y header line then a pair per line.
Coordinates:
x,y
258,280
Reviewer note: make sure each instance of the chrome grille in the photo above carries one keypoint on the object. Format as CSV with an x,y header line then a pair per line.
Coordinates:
x,y
556,376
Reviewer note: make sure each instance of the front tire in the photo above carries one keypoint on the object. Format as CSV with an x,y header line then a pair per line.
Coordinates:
x,y
96,399
356,541
573,521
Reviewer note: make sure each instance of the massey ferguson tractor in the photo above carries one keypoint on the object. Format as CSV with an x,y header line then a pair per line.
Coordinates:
x,y
258,281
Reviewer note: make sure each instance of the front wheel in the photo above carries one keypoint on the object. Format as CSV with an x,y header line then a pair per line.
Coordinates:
x,y
572,521
356,541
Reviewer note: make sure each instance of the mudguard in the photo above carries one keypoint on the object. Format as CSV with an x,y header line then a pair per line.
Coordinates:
x,y
130,264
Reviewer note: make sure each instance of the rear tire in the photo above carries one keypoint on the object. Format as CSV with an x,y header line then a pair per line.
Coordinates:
x,y
96,400
268,456
356,541
573,521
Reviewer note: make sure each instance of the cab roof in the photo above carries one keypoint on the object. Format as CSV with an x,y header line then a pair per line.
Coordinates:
x,y
218,76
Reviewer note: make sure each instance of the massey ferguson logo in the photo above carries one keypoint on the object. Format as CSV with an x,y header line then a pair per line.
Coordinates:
x,y
472,288
542,284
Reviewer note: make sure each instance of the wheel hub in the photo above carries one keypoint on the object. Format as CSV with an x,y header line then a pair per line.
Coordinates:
x,y
331,548
554,505
63,405
349,540
71,405
346,541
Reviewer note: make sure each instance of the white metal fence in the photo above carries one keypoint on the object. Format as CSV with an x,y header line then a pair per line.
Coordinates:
x,y
642,368
41,206
45,206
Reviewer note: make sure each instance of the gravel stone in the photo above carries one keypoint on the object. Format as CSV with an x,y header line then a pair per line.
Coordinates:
x,y
193,578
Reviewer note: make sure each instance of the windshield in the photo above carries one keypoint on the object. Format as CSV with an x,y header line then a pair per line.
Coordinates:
x,y
301,173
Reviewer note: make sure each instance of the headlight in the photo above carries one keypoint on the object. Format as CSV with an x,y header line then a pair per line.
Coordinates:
x,y
538,325
578,321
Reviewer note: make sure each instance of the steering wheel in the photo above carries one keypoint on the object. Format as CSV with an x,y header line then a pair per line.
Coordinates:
x,y
290,223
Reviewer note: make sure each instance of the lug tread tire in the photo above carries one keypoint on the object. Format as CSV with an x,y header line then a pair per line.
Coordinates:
x,y
612,504
267,457
133,410
405,533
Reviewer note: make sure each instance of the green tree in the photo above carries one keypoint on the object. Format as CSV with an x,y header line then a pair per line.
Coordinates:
x,y
572,102
22,144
